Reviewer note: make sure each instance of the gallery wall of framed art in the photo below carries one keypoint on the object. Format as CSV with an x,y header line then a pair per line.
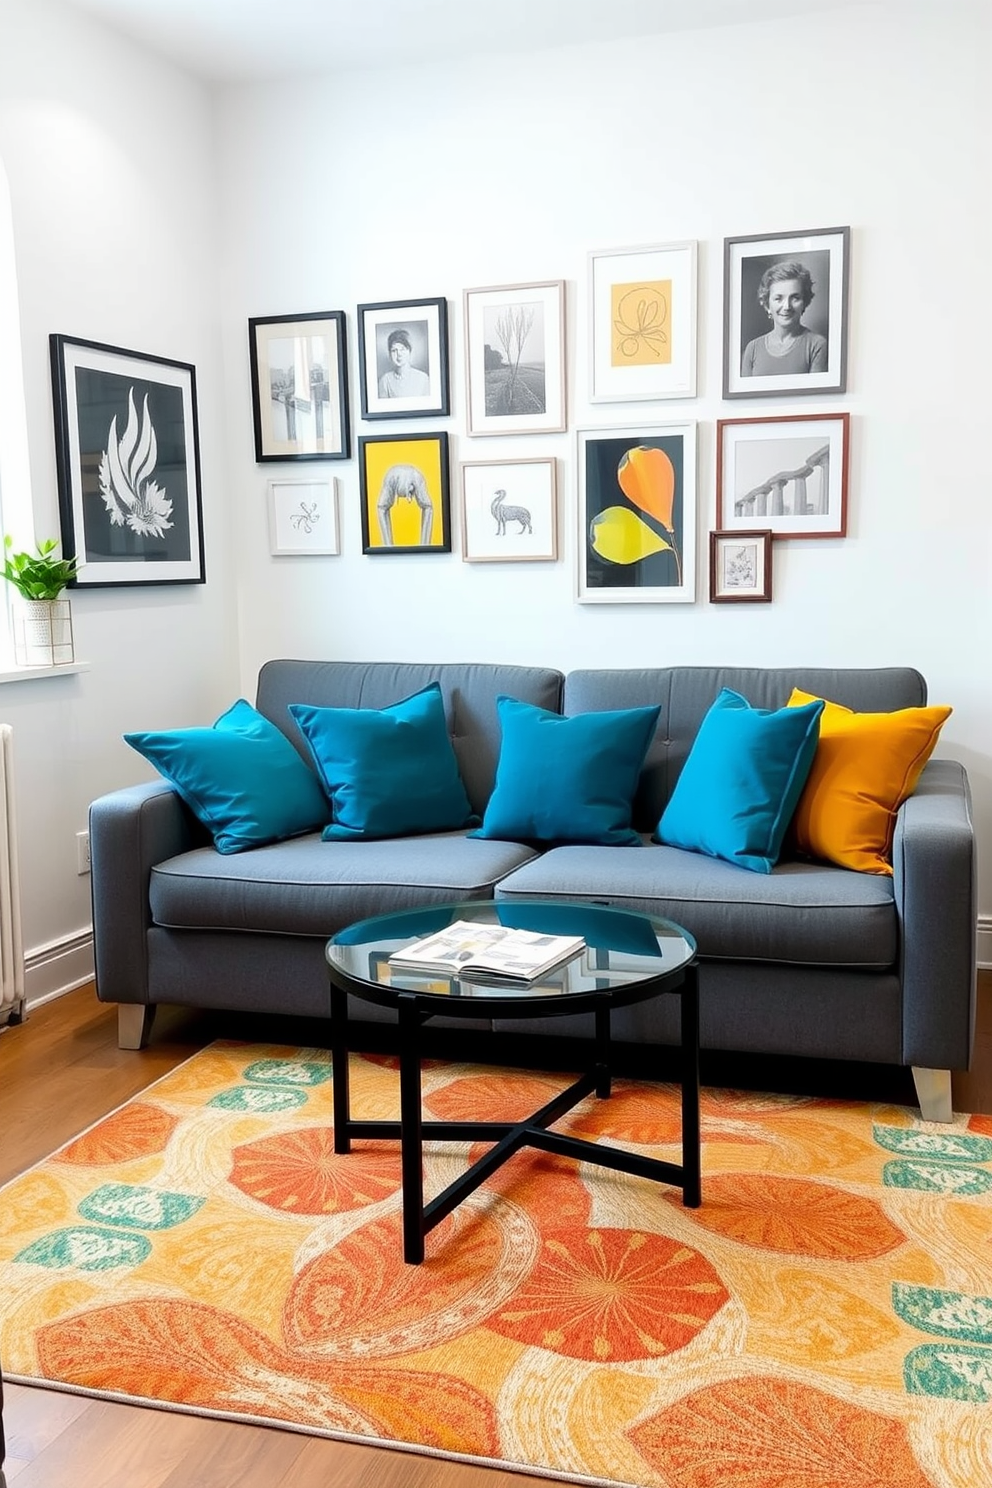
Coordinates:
x,y
632,484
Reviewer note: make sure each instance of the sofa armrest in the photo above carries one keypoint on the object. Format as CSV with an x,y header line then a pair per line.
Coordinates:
x,y
935,882
130,831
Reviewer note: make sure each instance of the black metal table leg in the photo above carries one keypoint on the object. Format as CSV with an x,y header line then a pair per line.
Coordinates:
x,y
339,1067
691,1154
411,1129
603,1056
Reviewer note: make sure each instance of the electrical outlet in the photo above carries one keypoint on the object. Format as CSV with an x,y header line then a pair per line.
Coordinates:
x,y
82,852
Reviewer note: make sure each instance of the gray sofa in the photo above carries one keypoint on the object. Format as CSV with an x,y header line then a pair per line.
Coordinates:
x,y
811,960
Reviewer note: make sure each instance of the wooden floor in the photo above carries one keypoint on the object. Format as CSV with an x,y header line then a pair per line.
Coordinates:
x,y
59,1072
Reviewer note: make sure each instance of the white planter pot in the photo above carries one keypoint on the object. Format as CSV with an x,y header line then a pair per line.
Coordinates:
x,y
43,632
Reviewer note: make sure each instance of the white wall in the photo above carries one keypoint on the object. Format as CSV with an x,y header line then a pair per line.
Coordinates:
x,y
421,182
111,165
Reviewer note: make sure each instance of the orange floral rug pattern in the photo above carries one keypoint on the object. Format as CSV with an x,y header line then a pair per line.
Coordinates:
x,y
824,1320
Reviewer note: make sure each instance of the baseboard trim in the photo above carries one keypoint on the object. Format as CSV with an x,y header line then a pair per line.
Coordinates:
x,y
58,967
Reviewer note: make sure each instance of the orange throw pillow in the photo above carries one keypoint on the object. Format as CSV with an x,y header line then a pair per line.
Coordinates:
x,y
865,766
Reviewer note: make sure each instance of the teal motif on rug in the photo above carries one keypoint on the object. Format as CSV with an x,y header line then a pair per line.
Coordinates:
x,y
935,1177
291,1072
950,1371
86,1248
941,1146
139,1208
255,1098
948,1314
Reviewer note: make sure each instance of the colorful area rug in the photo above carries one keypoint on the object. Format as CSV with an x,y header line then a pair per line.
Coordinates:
x,y
824,1320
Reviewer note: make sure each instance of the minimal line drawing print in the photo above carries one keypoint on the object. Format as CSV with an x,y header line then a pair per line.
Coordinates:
x,y
303,518
306,519
504,514
130,495
509,511
640,321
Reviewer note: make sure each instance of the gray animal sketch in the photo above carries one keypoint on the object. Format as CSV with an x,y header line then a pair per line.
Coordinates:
x,y
504,514
407,483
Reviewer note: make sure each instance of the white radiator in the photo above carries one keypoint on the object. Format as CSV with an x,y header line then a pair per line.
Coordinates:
x,y
11,945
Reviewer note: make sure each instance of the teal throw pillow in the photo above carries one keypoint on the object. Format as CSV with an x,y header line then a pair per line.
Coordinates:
x,y
567,779
390,772
241,778
741,782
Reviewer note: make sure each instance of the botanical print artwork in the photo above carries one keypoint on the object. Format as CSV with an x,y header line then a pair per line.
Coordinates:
x,y
130,495
637,515
641,334
133,471
740,565
127,456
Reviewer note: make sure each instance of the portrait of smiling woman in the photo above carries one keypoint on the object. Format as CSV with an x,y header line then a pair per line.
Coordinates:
x,y
785,313
785,292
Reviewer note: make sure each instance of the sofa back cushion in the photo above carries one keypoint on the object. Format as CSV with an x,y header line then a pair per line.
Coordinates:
x,y
469,692
687,693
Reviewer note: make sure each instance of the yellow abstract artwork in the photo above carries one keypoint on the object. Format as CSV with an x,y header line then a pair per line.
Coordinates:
x,y
640,323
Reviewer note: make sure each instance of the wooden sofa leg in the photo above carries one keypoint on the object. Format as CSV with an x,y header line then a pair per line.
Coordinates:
x,y
933,1091
134,1024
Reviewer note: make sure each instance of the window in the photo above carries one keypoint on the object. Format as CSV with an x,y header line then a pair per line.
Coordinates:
x,y
15,475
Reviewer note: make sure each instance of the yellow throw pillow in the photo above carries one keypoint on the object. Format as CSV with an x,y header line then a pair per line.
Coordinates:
x,y
865,766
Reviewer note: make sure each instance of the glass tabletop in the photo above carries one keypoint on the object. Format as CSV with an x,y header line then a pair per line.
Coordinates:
x,y
625,953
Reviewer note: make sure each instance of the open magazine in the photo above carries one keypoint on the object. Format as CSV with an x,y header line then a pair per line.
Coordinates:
x,y
496,951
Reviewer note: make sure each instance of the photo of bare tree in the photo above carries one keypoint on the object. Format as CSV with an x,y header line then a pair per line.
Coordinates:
x,y
516,358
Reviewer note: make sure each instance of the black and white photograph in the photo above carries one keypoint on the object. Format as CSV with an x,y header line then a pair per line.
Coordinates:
x,y
509,511
299,386
128,463
788,474
403,359
515,357
741,567
303,518
785,313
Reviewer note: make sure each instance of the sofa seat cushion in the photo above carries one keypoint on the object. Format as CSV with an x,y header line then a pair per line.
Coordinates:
x,y
309,887
800,913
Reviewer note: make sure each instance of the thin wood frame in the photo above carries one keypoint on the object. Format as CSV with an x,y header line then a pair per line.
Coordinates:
x,y
509,511
788,473
515,358
741,567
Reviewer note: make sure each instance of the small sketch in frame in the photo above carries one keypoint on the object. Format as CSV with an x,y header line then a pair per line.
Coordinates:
x,y
303,517
299,386
788,473
741,567
515,357
128,463
404,492
637,515
509,511
642,315
403,359
785,313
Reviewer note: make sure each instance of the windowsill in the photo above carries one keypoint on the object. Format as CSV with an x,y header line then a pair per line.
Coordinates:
x,y
40,673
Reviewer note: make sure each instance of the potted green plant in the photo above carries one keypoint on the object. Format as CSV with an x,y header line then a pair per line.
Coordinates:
x,y
43,617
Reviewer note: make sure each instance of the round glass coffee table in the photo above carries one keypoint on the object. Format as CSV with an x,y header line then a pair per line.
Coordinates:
x,y
627,958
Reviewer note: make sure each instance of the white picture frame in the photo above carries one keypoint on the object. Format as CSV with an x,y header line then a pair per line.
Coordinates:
x,y
303,518
636,537
515,358
509,511
642,321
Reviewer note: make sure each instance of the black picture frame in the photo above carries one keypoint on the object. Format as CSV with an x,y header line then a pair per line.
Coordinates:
x,y
419,326
283,351
822,258
128,465
405,495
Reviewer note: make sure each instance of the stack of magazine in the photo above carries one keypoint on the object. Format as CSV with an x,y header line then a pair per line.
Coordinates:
x,y
488,952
